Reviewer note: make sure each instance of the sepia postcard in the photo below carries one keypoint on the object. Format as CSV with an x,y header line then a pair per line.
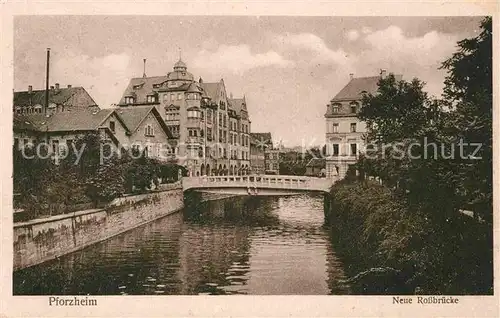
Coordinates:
x,y
200,159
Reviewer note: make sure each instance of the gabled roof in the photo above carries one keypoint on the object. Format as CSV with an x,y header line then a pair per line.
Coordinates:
x,y
237,104
353,89
140,87
20,122
133,116
212,89
76,97
79,120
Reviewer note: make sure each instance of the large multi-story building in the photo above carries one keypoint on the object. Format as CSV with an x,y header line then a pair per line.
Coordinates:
x,y
344,130
211,130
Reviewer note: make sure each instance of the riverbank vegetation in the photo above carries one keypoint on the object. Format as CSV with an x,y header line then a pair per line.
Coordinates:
x,y
432,159
45,185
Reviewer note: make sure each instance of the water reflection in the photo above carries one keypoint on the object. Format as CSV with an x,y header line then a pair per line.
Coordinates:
x,y
257,245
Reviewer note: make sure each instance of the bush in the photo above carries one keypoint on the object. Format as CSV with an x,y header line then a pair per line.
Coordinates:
x,y
374,229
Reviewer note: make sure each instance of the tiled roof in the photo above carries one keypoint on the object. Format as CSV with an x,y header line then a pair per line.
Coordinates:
x,y
357,85
133,116
65,121
212,89
317,163
140,87
237,104
22,123
71,96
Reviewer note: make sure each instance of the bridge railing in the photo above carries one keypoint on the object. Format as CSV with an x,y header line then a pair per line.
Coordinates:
x,y
263,181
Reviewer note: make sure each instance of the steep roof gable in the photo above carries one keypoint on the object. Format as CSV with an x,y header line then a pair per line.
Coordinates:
x,y
79,120
133,116
76,97
353,90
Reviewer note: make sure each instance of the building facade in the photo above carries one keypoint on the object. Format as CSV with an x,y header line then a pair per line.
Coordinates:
x,y
344,130
259,143
272,161
61,99
141,128
211,130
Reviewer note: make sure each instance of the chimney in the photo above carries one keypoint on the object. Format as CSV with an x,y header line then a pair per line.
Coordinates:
x,y
57,86
144,72
200,80
30,89
351,76
46,106
382,73
69,86
51,87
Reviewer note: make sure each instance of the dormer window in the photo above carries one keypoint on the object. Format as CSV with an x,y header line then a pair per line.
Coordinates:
x,y
151,99
138,86
336,108
129,100
149,131
354,107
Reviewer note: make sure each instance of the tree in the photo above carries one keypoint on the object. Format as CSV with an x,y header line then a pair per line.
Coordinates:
x,y
468,93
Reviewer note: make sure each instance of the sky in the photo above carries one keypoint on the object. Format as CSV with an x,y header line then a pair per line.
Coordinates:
x,y
288,68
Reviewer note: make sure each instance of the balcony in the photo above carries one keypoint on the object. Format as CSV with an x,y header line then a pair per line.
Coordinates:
x,y
194,141
172,122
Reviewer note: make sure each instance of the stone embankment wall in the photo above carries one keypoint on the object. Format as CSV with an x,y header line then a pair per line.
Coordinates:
x,y
40,240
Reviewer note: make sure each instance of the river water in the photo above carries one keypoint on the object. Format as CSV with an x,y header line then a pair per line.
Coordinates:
x,y
247,245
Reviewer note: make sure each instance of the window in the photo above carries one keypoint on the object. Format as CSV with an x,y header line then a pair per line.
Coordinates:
x,y
209,134
179,96
354,149
149,131
112,126
353,127
129,100
353,108
193,114
172,96
55,146
335,128
335,108
335,149
151,99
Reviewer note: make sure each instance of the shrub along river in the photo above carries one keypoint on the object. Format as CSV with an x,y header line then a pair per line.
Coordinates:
x,y
247,245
